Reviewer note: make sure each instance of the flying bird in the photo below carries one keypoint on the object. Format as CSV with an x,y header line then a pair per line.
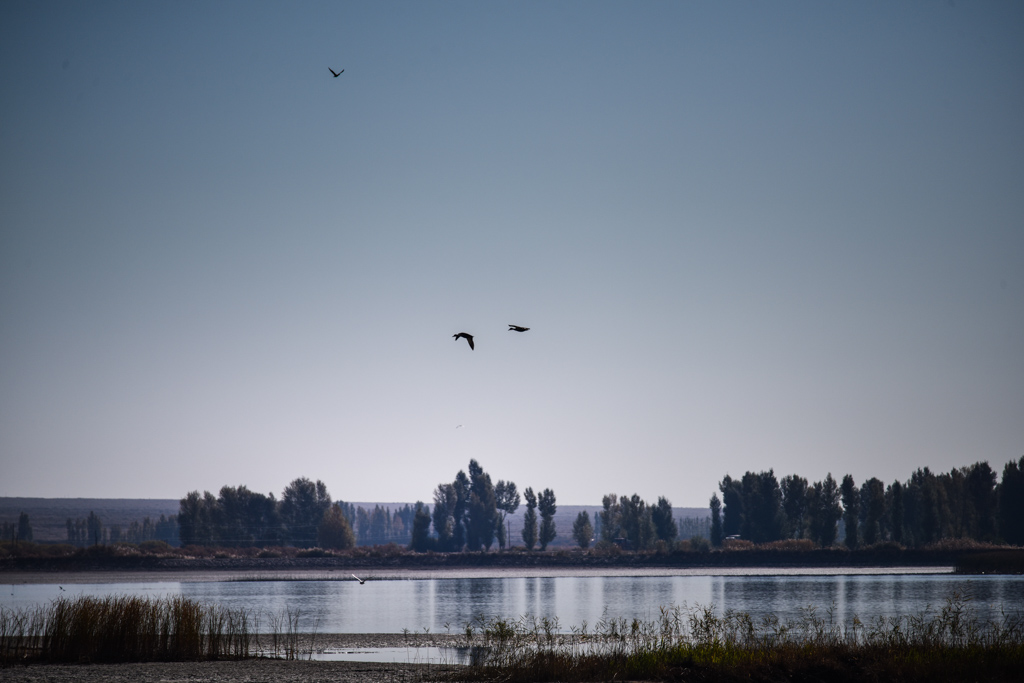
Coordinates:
x,y
468,337
517,328
336,74
361,581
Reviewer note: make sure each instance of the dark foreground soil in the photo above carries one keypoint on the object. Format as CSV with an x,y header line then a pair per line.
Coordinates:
x,y
259,669
245,671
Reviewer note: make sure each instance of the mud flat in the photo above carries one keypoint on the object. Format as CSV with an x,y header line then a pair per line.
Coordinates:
x,y
262,668
243,671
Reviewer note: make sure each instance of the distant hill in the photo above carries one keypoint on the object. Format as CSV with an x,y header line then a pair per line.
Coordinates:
x,y
49,515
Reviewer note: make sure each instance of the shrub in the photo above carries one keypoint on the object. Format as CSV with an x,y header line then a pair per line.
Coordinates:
x,y
792,544
156,548
700,544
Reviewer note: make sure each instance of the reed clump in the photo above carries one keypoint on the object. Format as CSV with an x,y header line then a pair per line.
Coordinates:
x,y
699,644
125,629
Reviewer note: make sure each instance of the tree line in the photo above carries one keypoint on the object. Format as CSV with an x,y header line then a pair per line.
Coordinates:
x,y
17,532
90,530
471,512
305,516
965,503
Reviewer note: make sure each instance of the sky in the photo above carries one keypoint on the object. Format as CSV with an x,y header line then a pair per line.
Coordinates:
x,y
744,236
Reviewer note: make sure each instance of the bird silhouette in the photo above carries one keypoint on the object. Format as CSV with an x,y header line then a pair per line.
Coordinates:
x,y
517,328
361,581
336,74
468,337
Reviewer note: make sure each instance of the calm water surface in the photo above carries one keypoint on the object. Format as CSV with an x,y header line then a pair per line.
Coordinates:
x,y
443,604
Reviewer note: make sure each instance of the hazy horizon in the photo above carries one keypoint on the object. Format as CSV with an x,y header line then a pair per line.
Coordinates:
x,y
744,236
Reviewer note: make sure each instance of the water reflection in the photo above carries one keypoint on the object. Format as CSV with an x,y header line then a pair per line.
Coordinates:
x,y
448,605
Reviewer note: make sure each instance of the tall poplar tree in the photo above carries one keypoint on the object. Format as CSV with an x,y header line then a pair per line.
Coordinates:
x,y
547,507
530,519
851,510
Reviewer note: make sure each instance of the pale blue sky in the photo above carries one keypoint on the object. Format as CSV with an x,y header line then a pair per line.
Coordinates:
x,y
745,236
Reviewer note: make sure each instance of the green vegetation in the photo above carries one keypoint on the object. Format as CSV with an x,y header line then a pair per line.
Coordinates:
x,y
697,644
530,519
547,507
582,531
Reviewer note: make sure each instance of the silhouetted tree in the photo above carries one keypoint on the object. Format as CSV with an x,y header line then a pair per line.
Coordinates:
x,y
980,483
24,528
611,518
716,521
823,510
763,519
664,524
851,510
462,493
530,519
334,531
303,505
582,531
896,510
732,501
1011,503
636,523
547,507
507,498
444,516
482,513
872,502
794,505
242,517
420,541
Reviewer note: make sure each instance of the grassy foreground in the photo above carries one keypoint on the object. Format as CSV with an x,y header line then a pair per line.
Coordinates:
x,y
136,629
698,645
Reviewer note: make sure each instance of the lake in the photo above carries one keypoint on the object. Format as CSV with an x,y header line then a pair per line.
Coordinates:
x,y
447,604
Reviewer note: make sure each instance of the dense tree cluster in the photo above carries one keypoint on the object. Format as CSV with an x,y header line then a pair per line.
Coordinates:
x,y
470,513
304,517
965,503
631,522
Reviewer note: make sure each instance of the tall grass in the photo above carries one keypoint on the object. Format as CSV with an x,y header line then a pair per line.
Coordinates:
x,y
136,629
689,644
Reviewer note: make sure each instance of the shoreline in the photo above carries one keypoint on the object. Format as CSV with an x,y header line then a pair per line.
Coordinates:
x,y
390,573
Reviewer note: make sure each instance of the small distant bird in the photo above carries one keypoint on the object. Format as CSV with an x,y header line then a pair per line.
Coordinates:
x,y
517,328
458,426
60,587
468,337
361,581
336,73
